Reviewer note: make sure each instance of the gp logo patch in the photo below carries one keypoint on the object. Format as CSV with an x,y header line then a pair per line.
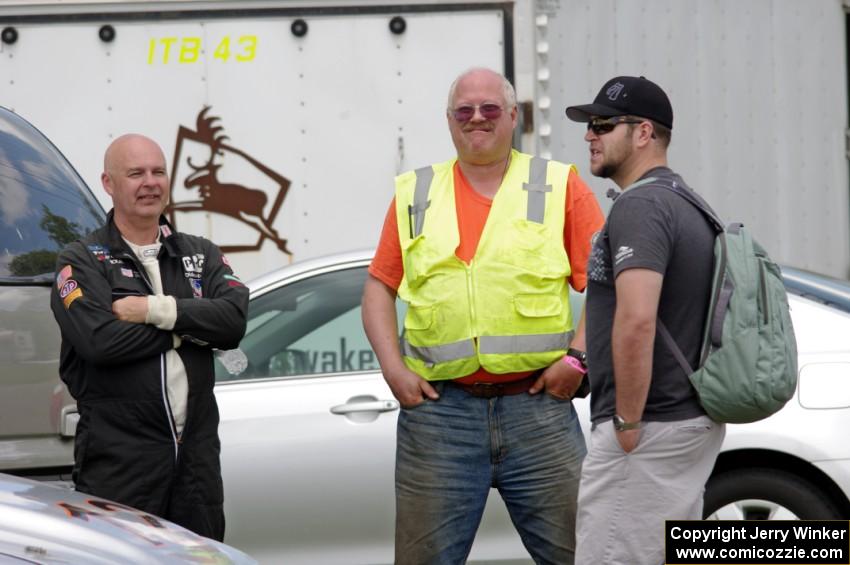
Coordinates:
x,y
193,264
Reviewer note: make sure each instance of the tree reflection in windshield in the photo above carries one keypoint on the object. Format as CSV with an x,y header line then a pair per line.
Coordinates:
x,y
61,231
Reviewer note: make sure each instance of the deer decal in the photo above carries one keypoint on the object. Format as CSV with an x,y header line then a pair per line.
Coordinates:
x,y
237,201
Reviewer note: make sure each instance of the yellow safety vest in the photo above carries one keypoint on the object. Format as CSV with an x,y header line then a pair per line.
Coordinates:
x,y
508,310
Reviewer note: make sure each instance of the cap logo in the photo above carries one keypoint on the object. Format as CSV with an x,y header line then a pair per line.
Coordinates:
x,y
614,90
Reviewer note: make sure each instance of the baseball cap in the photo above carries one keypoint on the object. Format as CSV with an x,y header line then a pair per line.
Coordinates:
x,y
632,96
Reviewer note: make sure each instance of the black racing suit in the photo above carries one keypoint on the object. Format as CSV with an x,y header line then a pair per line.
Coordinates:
x,y
126,447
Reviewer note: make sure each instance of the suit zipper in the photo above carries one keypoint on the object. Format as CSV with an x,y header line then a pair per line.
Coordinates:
x,y
171,425
162,371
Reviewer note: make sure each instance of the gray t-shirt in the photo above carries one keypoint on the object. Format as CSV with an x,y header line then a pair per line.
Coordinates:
x,y
651,227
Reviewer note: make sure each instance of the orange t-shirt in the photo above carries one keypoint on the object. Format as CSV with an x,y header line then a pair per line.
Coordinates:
x,y
583,219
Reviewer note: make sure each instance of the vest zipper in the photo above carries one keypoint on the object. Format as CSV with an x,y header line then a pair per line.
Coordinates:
x,y
470,297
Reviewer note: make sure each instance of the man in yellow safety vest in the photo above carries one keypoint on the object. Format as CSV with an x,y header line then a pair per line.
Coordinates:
x,y
481,249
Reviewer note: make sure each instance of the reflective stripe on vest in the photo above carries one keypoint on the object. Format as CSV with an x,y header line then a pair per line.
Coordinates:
x,y
490,344
536,187
439,353
424,176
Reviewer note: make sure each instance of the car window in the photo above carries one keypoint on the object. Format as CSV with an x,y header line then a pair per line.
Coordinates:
x,y
309,327
44,204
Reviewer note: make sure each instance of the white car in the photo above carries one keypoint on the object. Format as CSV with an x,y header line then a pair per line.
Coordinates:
x,y
308,427
42,523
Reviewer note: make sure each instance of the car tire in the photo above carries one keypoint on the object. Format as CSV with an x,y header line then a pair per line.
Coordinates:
x,y
765,494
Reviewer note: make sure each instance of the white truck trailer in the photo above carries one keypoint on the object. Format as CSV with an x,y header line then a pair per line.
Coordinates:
x,y
285,121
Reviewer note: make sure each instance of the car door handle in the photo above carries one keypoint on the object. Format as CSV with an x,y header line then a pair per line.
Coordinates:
x,y
373,406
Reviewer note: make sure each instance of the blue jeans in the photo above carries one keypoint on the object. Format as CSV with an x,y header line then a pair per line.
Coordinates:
x,y
451,451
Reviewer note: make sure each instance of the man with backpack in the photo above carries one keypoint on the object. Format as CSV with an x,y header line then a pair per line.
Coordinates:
x,y
652,445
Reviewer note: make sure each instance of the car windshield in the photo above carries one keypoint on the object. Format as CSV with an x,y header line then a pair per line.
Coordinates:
x,y
44,204
820,288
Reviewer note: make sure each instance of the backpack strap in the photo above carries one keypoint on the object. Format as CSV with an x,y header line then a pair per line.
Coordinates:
x,y
718,307
674,348
720,300
698,203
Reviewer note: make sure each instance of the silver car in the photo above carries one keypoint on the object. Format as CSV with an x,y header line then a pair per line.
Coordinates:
x,y
308,427
41,523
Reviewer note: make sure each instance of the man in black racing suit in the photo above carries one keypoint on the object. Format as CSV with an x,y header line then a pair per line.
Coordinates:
x,y
141,309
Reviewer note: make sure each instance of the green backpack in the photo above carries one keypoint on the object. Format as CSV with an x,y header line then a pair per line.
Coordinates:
x,y
748,359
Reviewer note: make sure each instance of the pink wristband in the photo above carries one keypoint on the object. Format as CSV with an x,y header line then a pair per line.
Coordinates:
x,y
575,364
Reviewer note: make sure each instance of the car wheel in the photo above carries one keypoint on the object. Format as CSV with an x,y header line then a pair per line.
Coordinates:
x,y
765,494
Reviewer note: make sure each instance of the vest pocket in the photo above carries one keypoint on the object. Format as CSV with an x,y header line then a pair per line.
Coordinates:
x,y
538,305
417,257
536,245
531,236
419,317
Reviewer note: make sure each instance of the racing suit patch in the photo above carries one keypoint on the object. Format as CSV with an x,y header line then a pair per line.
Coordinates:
x,y
64,274
197,287
69,292
100,252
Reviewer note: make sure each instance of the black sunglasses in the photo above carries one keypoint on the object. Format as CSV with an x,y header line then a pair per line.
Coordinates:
x,y
601,126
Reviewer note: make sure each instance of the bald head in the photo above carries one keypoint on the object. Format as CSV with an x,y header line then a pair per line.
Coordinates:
x,y
134,175
129,143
